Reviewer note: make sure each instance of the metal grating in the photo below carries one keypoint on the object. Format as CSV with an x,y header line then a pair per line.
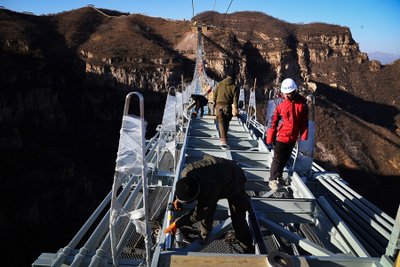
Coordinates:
x,y
269,240
135,246
167,162
221,246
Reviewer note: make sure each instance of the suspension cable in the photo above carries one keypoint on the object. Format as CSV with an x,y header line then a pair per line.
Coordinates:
x,y
228,6
192,8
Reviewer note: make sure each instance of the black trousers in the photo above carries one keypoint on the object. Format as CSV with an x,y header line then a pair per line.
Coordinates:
x,y
238,207
282,152
199,107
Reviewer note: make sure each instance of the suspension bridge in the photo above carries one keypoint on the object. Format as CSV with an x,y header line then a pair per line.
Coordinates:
x,y
318,220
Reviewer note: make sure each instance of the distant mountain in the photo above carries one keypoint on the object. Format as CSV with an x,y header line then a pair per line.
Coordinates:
x,y
384,58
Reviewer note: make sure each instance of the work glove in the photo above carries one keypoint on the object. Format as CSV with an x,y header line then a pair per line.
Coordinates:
x,y
269,145
171,228
178,205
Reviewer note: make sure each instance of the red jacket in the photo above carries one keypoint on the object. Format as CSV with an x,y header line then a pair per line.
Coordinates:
x,y
294,121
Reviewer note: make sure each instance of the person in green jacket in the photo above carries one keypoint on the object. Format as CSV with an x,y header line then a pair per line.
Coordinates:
x,y
226,95
207,181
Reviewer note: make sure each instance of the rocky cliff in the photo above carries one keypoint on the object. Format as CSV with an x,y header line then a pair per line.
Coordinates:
x,y
357,110
64,79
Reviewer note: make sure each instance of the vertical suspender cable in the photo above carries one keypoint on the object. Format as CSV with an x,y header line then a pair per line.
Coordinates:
x,y
192,8
228,6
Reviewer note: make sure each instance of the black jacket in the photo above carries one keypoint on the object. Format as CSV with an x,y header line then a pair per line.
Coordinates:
x,y
218,178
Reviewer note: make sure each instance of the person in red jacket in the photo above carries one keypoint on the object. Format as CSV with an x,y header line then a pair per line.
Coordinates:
x,y
290,120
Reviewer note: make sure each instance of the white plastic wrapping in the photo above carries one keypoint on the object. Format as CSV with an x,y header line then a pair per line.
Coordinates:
x,y
169,118
241,102
129,155
168,127
185,95
130,163
198,88
252,100
179,104
305,150
241,94
136,218
252,110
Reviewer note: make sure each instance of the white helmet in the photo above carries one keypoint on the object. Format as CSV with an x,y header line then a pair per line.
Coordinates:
x,y
288,86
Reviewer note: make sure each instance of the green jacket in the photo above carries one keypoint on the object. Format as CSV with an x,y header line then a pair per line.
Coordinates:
x,y
226,92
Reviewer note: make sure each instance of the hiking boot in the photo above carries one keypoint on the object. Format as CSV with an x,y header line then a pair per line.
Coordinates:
x,y
284,181
225,147
202,239
230,237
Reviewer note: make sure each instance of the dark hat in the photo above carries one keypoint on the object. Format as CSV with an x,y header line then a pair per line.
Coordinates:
x,y
187,189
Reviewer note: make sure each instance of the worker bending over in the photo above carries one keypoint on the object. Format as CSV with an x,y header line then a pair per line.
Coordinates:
x,y
207,181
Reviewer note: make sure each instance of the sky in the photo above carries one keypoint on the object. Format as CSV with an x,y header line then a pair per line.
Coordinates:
x,y
374,24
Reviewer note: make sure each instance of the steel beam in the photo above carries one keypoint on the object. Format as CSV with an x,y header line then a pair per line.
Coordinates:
x,y
359,204
344,230
285,210
359,212
299,188
304,243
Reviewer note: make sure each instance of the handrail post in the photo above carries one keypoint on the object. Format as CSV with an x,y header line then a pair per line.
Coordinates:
x,y
143,173
145,182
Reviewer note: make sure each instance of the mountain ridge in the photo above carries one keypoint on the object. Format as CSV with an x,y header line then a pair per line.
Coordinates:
x,y
384,58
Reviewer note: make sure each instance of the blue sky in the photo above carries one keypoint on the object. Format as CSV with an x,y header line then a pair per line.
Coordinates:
x,y
374,24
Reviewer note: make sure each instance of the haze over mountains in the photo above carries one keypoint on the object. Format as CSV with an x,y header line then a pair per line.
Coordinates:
x,y
64,79
384,58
